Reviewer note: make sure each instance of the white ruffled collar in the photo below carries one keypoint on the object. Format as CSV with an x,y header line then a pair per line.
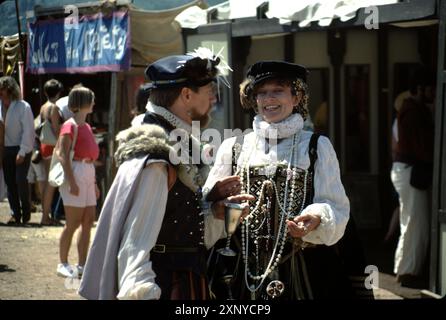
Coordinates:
x,y
283,129
169,116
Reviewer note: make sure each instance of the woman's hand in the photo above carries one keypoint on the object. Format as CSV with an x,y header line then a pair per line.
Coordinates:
x,y
74,189
225,187
218,207
302,225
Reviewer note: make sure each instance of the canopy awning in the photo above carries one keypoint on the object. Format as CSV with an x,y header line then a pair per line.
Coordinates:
x,y
156,34
303,13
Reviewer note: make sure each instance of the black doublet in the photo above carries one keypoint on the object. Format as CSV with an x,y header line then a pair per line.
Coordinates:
x,y
181,236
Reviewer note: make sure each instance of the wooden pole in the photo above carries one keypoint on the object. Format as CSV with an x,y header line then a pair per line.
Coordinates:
x,y
22,52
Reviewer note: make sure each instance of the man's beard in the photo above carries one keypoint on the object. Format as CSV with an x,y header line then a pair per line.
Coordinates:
x,y
204,119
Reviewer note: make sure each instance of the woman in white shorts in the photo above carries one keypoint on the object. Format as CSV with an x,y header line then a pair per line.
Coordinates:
x,y
80,191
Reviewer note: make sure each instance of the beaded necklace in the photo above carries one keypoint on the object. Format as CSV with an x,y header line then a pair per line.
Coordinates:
x,y
255,214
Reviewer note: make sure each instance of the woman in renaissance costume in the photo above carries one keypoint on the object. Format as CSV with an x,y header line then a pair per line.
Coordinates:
x,y
286,244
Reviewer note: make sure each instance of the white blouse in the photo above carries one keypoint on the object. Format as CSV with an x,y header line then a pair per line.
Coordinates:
x,y
330,200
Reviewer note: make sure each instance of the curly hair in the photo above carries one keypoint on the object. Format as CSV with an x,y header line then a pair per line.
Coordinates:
x,y
11,86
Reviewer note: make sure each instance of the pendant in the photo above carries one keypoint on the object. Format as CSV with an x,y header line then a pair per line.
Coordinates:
x,y
253,292
275,288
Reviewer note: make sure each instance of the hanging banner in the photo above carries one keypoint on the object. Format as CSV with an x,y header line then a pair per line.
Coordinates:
x,y
92,44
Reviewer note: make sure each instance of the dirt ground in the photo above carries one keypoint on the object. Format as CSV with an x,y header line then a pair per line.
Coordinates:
x,y
28,260
29,256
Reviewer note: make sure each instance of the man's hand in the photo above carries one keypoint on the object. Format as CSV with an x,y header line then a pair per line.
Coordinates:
x,y
223,188
301,225
218,207
19,160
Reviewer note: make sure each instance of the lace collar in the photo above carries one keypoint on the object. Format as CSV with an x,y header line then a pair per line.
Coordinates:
x,y
169,116
283,129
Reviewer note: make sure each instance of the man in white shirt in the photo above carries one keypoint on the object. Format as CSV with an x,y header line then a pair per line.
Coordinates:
x,y
65,112
19,138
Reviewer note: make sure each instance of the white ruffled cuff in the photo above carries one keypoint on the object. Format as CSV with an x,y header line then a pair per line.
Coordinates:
x,y
326,232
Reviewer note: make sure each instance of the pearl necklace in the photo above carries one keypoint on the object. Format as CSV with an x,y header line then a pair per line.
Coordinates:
x,y
254,214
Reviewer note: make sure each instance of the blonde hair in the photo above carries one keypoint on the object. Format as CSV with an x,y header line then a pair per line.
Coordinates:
x,y
11,86
400,99
79,98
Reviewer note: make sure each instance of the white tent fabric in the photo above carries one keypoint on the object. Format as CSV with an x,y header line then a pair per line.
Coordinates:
x,y
243,9
302,11
323,11
194,16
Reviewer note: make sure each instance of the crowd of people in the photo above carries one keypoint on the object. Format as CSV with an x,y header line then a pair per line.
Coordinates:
x,y
163,218
26,154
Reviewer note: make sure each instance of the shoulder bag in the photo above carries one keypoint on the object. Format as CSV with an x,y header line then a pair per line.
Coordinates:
x,y
56,176
47,135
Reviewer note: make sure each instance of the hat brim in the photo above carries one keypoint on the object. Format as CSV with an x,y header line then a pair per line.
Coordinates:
x,y
176,84
263,70
262,78
271,76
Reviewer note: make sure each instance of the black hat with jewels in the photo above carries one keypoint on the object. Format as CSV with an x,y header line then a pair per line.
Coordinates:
x,y
196,68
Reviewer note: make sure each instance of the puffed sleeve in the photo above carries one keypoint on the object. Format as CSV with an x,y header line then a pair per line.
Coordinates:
x,y
330,200
135,275
215,228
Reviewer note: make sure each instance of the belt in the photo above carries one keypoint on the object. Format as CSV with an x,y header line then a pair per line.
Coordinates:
x,y
161,248
84,160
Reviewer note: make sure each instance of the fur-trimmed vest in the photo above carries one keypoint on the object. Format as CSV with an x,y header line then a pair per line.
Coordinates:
x,y
180,243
